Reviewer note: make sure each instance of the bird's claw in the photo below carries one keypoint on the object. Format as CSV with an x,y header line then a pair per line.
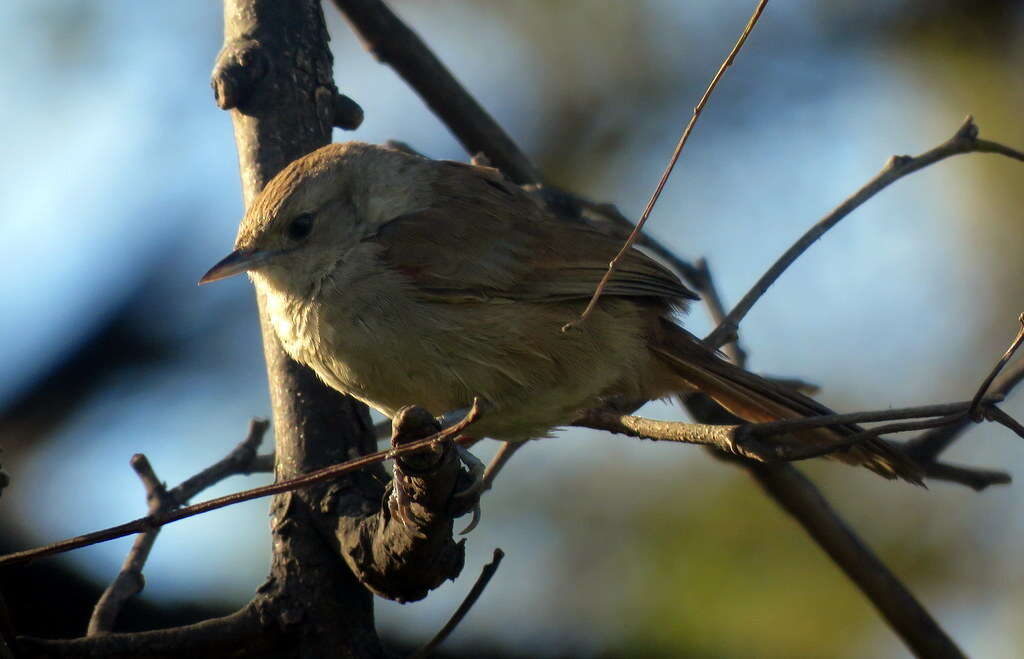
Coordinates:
x,y
468,498
473,522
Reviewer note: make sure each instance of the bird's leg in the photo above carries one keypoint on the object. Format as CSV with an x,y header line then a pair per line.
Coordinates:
x,y
493,467
473,464
498,461
467,499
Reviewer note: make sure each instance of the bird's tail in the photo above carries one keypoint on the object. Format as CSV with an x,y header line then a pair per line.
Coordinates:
x,y
758,400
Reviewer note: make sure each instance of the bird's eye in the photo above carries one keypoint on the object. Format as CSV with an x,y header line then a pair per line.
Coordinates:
x,y
300,226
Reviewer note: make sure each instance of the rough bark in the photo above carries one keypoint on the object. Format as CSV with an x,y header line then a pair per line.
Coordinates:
x,y
275,74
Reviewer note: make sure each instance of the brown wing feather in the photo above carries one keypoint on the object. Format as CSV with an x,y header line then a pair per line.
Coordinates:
x,y
508,247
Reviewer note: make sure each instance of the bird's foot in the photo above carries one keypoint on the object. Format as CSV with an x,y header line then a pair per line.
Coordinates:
x,y
468,498
476,469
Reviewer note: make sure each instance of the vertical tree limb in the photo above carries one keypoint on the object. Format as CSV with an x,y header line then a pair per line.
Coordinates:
x,y
275,75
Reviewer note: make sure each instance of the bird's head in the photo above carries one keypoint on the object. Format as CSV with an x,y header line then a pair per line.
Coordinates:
x,y
318,208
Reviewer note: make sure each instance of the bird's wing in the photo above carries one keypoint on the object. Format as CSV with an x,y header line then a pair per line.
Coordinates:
x,y
485,239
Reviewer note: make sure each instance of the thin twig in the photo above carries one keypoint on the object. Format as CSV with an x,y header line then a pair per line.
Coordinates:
x,y
807,451
242,460
744,440
240,634
1004,419
976,479
671,164
894,414
155,521
709,293
130,581
976,411
965,140
474,594
926,448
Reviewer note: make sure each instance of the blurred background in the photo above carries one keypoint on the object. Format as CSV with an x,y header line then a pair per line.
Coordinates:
x,y
119,187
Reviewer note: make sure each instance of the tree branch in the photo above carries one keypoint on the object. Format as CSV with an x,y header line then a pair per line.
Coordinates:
x,y
744,439
972,477
705,286
275,74
243,633
965,140
305,480
129,581
474,594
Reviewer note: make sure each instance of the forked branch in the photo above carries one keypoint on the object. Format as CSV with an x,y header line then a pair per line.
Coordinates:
x,y
965,140
129,581
155,521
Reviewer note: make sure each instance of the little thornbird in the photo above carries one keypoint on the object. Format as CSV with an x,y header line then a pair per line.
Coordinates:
x,y
403,280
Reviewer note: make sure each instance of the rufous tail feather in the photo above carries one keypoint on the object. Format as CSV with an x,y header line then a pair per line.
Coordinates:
x,y
758,400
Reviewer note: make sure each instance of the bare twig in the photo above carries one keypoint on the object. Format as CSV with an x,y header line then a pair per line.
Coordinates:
x,y
474,594
976,410
243,633
155,521
976,479
130,581
743,439
726,438
671,163
925,448
894,414
965,140
1004,419
705,285
242,460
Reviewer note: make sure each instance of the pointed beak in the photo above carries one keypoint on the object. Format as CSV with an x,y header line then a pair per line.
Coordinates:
x,y
237,262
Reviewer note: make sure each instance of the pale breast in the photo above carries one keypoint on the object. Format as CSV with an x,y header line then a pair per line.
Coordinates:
x,y
368,335
365,336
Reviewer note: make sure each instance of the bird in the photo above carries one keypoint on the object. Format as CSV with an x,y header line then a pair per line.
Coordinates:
x,y
399,279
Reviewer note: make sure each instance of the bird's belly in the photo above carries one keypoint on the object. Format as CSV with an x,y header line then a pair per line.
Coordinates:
x,y
390,352
385,358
